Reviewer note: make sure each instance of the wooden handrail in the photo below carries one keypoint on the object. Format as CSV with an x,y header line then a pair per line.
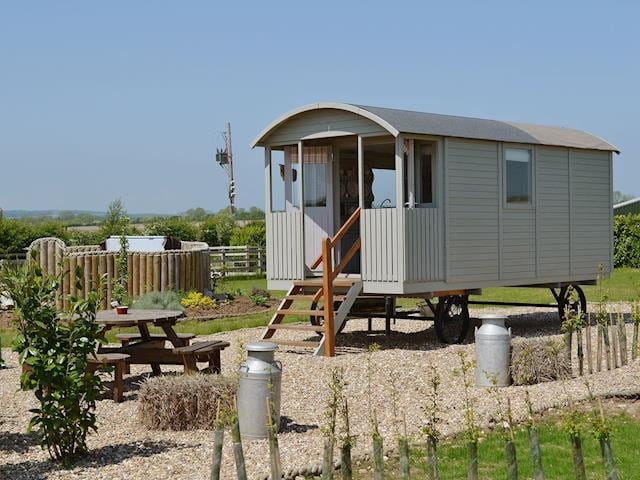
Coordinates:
x,y
339,234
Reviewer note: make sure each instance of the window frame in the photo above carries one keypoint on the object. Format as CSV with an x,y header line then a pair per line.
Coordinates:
x,y
411,180
518,205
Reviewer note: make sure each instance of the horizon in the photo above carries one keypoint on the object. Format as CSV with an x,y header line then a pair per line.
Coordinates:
x,y
129,100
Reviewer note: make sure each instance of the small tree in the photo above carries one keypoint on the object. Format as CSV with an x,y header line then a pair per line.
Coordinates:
x,y
471,428
120,286
430,430
601,430
534,440
56,349
505,418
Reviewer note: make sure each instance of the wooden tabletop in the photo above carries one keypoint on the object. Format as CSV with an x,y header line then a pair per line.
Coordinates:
x,y
134,317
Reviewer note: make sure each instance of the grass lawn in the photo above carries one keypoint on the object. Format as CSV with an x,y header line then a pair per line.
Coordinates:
x,y
623,285
556,454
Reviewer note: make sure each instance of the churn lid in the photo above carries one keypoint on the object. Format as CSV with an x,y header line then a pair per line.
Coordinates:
x,y
261,347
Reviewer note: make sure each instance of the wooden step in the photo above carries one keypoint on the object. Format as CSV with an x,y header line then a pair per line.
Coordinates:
x,y
295,343
336,298
296,326
313,313
317,282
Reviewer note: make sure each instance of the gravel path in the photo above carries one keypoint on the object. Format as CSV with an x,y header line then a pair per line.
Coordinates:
x,y
123,449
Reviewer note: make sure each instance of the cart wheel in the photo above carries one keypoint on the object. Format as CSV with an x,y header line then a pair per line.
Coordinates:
x,y
573,298
319,321
451,318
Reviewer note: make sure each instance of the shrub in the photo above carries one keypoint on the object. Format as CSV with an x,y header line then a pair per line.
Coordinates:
x,y
16,235
184,402
626,240
198,301
56,351
159,301
259,296
538,360
173,227
209,232
253,234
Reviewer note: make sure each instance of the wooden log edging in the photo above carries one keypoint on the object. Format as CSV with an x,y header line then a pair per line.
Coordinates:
x,y
185,269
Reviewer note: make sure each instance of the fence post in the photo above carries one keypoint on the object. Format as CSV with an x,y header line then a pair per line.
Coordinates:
x,y
327,288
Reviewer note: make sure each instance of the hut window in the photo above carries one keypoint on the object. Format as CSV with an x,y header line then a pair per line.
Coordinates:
x,y
423,172
518,175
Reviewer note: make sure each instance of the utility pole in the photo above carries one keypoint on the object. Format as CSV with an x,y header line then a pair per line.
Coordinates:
x,y
225,159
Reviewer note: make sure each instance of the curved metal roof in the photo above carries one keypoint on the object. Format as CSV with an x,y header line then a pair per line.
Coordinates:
x,y
405,121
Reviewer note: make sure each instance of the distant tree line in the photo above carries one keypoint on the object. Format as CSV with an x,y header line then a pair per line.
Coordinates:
x,y
246,227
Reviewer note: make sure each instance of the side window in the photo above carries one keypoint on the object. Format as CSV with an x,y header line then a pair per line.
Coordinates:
x,y
518,175
421,177
423,172
277,181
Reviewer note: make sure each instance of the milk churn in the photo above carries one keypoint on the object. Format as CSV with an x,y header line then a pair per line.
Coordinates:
x,y
493,352
260,378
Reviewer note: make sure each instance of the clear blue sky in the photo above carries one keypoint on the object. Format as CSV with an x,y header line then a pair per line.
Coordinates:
x,y
126,99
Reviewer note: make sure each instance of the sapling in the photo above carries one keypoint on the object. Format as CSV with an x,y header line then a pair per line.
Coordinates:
x,y
471,428
505,418
274,447
218,440
572,423
601,430
400,431
334,400
635,316
534,440
347,441
376,437
430,430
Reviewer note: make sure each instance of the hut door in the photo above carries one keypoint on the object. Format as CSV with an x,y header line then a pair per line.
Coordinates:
x,y
318,200
318,195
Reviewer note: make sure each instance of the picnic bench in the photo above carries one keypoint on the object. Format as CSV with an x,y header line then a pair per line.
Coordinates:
x,y
147,348
116,360
202,352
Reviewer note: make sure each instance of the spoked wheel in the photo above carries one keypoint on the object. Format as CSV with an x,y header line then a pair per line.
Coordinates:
x,y
572,298
319,321
451,318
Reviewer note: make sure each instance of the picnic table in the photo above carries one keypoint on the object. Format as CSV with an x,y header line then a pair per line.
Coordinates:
x,y
150,349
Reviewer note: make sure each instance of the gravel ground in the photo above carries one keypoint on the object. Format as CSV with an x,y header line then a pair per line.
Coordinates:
x,y
123,449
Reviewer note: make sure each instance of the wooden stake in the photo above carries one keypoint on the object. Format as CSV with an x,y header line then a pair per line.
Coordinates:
x,y
613,327
587,332
274,448
634,341
607,345
598,346
622,337
472,470
580,352
578,458
218,441
327,289
241,470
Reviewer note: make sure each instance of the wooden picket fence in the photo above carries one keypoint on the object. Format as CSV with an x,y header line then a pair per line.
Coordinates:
x,y
238,260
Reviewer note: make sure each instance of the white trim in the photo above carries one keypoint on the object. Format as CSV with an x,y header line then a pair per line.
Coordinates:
x,y
322,105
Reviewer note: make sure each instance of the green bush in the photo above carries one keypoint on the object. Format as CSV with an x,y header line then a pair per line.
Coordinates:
x,y
174,227
253,234
56,350
626,241
159,301
17,235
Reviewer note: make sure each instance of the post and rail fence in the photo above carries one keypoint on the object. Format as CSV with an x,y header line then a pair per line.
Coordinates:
x,y
238,260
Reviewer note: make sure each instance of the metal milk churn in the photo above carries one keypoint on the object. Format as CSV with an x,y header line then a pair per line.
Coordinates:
x,y
493,352
260,378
